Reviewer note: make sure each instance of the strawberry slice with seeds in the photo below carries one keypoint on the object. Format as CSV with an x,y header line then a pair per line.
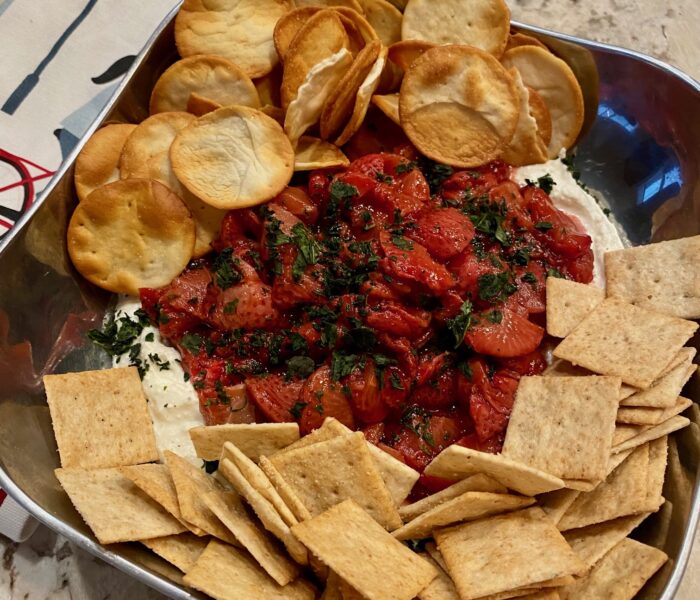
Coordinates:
x,y
275,396
445,232
504,333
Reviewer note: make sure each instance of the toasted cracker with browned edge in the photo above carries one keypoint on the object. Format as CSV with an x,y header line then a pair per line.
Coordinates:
x,y
385,19
445,112
155,481
595,541
475,483
211,77
114,508
557,85
629,342
228,507
100,418
361,552
226,572
483,24
568,303
656,473
529,548
665,390
342,469
233,157
624,432
440,588
403,53
664,276
98,161
131,234
253,439
300,512
458,462
651,416
181,550
648,434
389,105
621,573
199,105
312,153
339,105
191,484
564,425
522,39
539,110
623,493
239,30
466,507
264,510
556,503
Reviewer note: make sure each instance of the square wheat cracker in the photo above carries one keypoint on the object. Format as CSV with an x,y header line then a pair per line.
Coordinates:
x,y
564,425
556,503
664,392
100,418
324,474
114,508
227,506
225,572
506,552
664,276
458,462
181,550
626,341
191,484
361,552
648,434
289,497
253,439
440,588
643,415
568,303
620,574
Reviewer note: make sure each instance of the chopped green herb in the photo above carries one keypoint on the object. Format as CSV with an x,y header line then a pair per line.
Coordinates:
x,y
401,242
530,278
496,287
555,273
192,343
405,167
297,409
226,273
460,324
230,307
495,316
543,225
300,366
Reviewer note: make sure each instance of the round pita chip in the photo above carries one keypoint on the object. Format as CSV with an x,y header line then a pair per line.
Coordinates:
x,y
274,112
210,77
321,37
385,18
366,30
522,39
526,147
352,4
341,103
313,153
233,157
403,53
98,161
484,24
239,30
389,105
400,4
146,155
459,106
556,83
269,87
198,106
540,111
363,99
130,234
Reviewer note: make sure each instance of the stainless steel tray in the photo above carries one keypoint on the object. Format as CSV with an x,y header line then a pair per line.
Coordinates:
x,y
640,151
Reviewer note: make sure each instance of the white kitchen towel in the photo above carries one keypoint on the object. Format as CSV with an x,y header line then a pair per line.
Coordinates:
x,y
60,62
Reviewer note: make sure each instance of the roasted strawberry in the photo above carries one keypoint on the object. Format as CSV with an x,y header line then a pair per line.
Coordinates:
x,y
445,232
322,398
275,396
503,333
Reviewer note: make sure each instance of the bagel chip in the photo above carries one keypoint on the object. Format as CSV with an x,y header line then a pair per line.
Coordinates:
x,y
363,99
484,24
403,53
289,25
320,82
556,83
341,102
233,157
459,106
389,105
349,4
98,161
522,39
198,105
319,39
361,24
239,30
269,87
210,77
130,234
385,19
539,110
146,155
527,146
312,153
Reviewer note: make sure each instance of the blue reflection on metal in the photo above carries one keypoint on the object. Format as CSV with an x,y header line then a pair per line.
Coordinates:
x,y
607,112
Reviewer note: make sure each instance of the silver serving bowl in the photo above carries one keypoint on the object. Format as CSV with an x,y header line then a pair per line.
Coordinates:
x,y
639,150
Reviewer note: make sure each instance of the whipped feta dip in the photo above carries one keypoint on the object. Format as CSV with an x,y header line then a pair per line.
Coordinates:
x,y
172,402
568,196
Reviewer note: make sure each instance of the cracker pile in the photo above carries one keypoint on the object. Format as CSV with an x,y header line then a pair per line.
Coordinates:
x,y
266,88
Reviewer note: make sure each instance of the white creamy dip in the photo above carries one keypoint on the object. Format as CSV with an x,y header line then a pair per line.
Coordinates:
x,y
568,196
172,401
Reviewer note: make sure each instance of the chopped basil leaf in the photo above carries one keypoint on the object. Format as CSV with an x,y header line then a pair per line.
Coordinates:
x,y
300,366
460,324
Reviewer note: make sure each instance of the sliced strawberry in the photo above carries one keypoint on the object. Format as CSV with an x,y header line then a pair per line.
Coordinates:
x,y
298,202
229,404
275,396
246,305
533,363
512,335
492,445
323,398
365,396
467,269
374,433
189,292
397,319
487,420
445,232
437,392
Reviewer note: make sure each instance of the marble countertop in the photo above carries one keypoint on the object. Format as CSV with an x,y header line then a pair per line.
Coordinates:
x,y
48,566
